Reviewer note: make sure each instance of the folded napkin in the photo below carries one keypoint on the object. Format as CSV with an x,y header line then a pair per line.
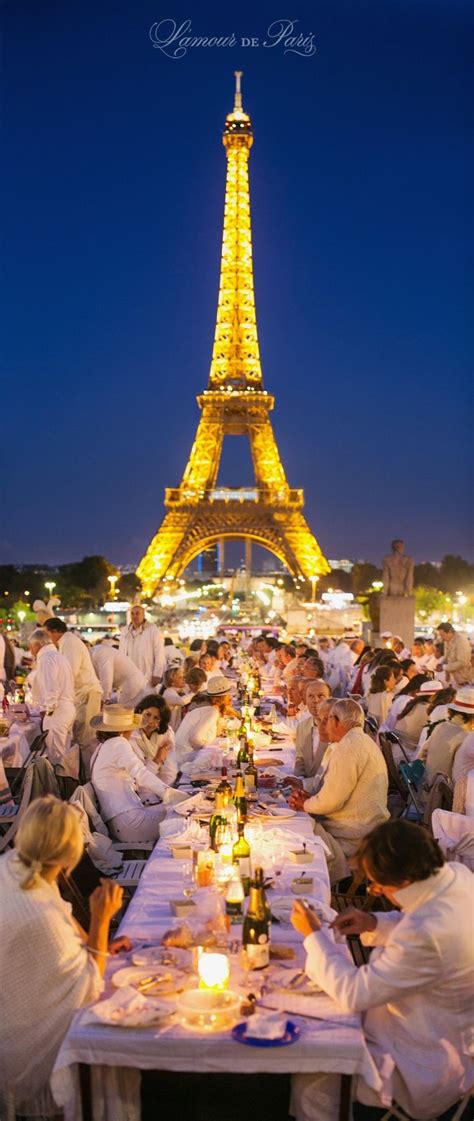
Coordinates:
x,y
186,833
195,802
266,1025
127,1008
208,759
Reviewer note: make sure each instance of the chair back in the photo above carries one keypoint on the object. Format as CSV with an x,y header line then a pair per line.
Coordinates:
x,y
440,797
371,726
26,798
396,782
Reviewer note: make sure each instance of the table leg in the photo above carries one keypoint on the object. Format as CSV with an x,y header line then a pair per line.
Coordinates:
x,y
345,1098
85,1091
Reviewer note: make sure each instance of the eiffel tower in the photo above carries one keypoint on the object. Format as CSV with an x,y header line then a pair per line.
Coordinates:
x,y
199,513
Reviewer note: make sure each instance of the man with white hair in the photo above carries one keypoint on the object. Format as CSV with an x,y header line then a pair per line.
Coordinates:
x,y
143,643
352,796
52,685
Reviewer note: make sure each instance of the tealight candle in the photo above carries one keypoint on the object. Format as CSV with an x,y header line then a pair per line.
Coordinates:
x,y
213,970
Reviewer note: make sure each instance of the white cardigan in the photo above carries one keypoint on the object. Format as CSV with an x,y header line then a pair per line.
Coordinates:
x,y
46,975
416,991
117,773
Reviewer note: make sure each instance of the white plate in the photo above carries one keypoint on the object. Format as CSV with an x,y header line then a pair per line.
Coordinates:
x,y
151,956
153,1012
174,980
281,811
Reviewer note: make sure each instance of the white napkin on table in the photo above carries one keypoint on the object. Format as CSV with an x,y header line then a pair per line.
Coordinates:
x,y
266,1025
127,1008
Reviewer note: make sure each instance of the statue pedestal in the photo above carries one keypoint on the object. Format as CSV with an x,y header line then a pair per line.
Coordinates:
x,y
397,614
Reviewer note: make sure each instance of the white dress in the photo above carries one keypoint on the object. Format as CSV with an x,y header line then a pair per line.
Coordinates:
x,y
46,975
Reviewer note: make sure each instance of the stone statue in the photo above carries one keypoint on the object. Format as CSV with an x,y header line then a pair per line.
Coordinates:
x,y
398,571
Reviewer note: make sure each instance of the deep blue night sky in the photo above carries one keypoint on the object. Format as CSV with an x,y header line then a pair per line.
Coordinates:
x,y
113,200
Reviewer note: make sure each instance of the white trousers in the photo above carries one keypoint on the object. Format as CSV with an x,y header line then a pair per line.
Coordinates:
x,y
137,825
315,1097
59,729
86,708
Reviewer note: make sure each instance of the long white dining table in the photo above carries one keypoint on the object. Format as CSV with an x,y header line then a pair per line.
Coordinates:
x,y
116,1055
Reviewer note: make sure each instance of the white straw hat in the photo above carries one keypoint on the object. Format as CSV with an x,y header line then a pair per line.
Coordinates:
x,y
217,686
116,718
429,687
464,700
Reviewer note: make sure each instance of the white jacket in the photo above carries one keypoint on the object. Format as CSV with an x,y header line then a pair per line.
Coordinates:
x,y
352,798
117,772
145,646
117,673
416,992
85,678
51,681
197,730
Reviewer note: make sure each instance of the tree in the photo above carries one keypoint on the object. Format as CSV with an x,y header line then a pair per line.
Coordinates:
x,y
427,574
431,601
456,574
90,574
363,575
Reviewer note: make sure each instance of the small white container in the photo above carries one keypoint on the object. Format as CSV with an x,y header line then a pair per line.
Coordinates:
x,y
301,885
181,852
180,908
206,1011
300,856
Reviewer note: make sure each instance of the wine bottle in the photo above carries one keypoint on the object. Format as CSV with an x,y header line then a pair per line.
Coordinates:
x,y
251,774
241,857
234,900
224,787
243,755
240,801
256,928
216,819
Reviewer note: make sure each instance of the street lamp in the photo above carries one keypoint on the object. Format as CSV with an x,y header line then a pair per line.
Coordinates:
x,y
21,615
314,581
112,581
50,585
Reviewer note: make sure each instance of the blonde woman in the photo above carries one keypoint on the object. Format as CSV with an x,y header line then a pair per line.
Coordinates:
x,y
176,694
49,967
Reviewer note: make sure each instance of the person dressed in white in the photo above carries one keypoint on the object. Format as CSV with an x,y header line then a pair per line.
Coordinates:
x,y
201,726
314,750
176,694
118,773
87,687
155,738
309,747
353,790
381,693
415,993
52,686
118,675
174,656
49,967
143,643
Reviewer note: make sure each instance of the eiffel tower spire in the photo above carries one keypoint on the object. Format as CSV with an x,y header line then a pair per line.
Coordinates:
x,y
235,403
235,354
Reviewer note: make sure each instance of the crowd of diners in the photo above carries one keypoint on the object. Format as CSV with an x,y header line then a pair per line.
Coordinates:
x,y
128,713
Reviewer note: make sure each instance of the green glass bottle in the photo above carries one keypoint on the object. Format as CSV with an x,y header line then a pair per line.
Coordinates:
x,y
241,857
256,928
216,819
224,787
243,755
251,774
240,801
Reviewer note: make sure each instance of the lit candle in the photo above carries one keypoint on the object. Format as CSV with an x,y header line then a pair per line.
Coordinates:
x,y
213,971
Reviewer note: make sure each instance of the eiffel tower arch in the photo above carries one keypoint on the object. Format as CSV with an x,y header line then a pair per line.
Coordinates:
x,y
200,513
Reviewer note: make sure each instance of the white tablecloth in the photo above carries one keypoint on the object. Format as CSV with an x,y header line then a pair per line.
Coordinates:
x,y
15,746
323,1046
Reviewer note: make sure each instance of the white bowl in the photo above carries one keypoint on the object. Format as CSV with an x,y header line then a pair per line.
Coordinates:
x,y
207,1011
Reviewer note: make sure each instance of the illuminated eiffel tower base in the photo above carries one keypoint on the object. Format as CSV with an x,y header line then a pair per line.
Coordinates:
x,y
199,513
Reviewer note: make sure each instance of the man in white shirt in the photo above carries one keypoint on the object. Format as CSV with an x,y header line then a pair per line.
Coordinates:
x,y
87,687
415,993
457,655
143,643
118,675
52,686
200,727
352,795
309,748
